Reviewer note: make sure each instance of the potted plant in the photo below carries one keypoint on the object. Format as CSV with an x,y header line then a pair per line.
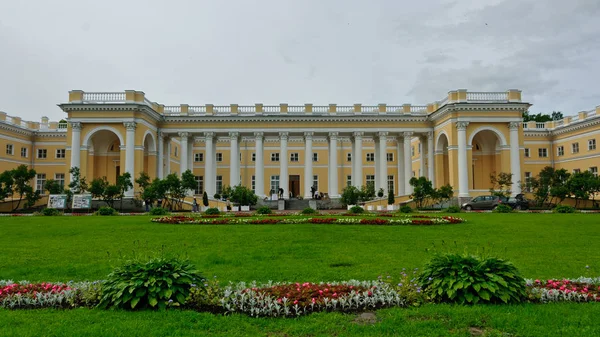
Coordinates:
x,y
380,193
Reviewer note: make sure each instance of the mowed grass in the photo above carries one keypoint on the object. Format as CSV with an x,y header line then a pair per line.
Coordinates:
x,y
86,248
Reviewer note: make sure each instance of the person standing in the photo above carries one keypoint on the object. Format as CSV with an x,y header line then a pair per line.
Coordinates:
x,y
195,206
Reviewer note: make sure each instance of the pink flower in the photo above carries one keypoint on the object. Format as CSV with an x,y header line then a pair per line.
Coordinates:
x,y
279,300
296,302
334,295
320,292
314,300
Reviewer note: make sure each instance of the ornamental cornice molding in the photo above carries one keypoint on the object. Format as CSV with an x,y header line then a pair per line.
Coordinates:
x,y
51,134
309,118
16,129
68,107
576,126
528,133
457,107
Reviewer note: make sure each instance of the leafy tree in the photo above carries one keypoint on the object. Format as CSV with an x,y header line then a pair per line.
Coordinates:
x,y
101,188
226,192
243,196
445,193
391,198
350,195
422,190
78,184
558,188
175,190
188,180
53,187
123,184
205,199
367,192
501,184
16,182
541,118
581,185
143,181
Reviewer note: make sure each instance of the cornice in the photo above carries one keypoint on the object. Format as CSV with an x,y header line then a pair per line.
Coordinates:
x,y
529,133
455,107
576,126
295,118
16,129
115,107
50,134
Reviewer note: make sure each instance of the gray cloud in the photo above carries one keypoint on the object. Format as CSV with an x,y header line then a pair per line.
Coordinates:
x,y
274,51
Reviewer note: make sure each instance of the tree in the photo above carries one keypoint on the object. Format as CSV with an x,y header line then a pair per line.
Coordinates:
x,y
143,181
175,190
101,188
367,192
558,187
445,193
188,181
391,198
53,187
350,195
16,182
78,184
422,190
243,196
501,184
205,199
123,184
581,185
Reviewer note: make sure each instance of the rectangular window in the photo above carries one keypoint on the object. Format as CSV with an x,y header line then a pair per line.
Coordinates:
x,y
412,151
390,157
348,181
175,151
219,184
560,151
199,185
60,179
420,147
591,144
275,157
543,153
9,149
40,183
240,156
198,157
575,148
594,170
294,156
315,156
527,154
42,153
576,171
275,184
371,156
527,181
414,174
316,182
219,156
253,156
390,184
349,157
253,184
60,153
370,180
24,152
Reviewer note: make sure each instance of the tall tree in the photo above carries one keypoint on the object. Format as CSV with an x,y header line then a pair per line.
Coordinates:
x,y
16,182
501,184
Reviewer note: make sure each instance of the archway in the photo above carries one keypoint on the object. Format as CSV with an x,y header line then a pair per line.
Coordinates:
x,y
486,147
149,159
442,162
104,154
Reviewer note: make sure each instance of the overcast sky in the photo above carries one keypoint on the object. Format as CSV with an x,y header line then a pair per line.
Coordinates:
x,y
280,51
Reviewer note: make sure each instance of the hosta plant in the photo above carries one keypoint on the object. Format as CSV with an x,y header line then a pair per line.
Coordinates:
x,y
502,208
106,211
468,279
264,210
212,211
159,211
156,283
50,212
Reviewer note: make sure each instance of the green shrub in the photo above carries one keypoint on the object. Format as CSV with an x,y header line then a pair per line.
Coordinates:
x,y
406,209
88,294
502,208
217,196
564,209
356,210
157,283
471,279
50,212
309,210
264,210
212,211
207,297
453,209
107,211
391,198
159,211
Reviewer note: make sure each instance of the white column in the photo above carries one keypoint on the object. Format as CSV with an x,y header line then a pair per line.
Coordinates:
x,y
376,161
430,159
463,173
75,147
130,153
308,164
234,159
161,156
210,181
183,161
168,157
400,160
382,173
422,165
259,165
407,163
352,162
333,165
515,157
283,165
357,160
190,150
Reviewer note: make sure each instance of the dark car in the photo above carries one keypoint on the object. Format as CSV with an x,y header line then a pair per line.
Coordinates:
x,y
484,202
519,202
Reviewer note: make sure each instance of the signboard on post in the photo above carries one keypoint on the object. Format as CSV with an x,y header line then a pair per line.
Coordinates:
x,y
58,201
82,201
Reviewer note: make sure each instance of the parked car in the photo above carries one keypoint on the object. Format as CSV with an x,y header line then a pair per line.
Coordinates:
x,y
519,202
484,202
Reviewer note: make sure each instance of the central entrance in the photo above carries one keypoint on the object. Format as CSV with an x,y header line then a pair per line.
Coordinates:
x,y
294,187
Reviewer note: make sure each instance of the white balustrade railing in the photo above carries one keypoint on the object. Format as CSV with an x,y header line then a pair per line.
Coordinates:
x,y
344,108
222,109
320,108
540,125
418,108
574,118
393,108
295,108
197,109
525,125
591,113
9,120
246,108
172,109
487,96
369,108
103,97
24,124
443,102
271,108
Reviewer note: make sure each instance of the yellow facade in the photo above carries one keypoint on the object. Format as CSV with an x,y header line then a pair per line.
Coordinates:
x,y
125,131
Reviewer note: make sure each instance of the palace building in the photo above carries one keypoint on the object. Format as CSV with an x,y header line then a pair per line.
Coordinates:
x,y
459,140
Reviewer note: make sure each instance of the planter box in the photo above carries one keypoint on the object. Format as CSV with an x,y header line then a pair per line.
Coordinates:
x,y
369,208
391,207
245,208
380,208
235,208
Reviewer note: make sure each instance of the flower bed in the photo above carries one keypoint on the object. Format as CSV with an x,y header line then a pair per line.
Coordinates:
x,y
565,290
420,220
34,295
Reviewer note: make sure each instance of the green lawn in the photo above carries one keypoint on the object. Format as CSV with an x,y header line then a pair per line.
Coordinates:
x,y
85,248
